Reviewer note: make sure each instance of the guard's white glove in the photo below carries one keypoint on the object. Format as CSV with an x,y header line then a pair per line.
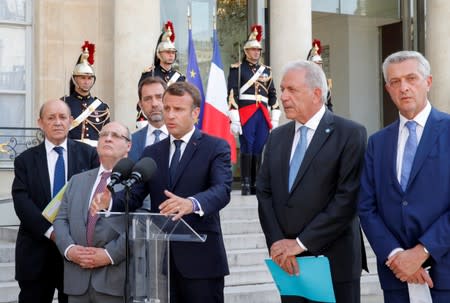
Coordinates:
x,y
235,125
275,118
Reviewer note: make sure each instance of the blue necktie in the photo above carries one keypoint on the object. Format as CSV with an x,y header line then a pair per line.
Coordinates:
x,y
408,153
157,133
175,160
59,179
299,153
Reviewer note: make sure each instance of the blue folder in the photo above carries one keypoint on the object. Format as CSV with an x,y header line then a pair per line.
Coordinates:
x,y
313,283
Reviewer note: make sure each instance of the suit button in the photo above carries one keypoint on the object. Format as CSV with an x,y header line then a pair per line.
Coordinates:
x,y
405,203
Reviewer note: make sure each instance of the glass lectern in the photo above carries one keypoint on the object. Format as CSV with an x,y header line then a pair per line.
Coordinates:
x,y
149,252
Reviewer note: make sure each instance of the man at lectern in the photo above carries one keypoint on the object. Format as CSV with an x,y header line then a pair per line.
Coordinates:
x,y
193,182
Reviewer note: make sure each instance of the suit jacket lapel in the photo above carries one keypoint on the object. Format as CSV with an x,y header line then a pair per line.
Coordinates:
x,y
188,153
323,131
141,138
391,154
285,152
71,152
427,141
42,170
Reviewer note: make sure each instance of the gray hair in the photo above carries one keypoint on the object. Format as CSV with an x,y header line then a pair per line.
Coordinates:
x,y
314,75
423,65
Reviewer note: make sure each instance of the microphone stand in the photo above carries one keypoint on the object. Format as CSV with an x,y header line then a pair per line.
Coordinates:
x,y
127,247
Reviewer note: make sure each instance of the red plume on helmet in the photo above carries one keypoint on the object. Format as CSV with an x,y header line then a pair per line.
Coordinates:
x,y
91,50
168,25
259,29
319,46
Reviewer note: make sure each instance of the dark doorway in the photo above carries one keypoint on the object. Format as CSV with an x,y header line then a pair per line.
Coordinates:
x,y
391,41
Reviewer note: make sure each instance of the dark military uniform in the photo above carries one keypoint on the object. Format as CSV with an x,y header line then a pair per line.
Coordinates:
x,y
92,125
253,105
159,71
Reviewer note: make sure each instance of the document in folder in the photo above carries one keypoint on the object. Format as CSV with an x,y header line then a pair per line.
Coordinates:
x,y
313,283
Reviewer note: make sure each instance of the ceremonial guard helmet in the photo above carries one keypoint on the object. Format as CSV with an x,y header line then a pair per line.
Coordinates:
x,y
315,51
167,38
254,39
85,61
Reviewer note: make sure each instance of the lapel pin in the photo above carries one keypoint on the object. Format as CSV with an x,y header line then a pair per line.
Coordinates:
x,y
327,130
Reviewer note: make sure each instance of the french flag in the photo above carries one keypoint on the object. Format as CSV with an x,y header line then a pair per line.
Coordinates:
x,y
215,118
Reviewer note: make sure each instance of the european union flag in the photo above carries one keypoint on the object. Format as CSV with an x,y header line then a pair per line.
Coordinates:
x,y
193,75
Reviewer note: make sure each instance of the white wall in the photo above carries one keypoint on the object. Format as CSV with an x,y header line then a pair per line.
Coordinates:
x,y
354,66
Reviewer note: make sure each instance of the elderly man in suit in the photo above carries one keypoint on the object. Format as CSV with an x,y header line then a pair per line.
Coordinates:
x,y
39,173
94,266
308,183
404,203
193,182
150,91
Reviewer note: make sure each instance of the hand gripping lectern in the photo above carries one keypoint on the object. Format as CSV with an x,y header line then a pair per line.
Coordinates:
x,y
149,238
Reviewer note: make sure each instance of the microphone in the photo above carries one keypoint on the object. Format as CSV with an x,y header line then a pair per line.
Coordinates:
x,y
143,170
120,172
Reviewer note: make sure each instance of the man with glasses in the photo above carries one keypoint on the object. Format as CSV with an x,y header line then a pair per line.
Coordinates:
x,y
94,264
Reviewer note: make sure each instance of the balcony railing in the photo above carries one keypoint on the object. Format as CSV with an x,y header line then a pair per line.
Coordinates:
x,y
14,141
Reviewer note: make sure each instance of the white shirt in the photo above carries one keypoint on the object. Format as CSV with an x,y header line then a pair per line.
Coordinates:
x,y
403,133
312,125
150,138
185,139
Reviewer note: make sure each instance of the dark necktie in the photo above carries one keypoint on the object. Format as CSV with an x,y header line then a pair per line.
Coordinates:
x,y
297,158
408,153
59,179
175,160
92,219
157,133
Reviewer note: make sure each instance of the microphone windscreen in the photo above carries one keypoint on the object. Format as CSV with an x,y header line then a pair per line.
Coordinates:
x,y
124,167
146,167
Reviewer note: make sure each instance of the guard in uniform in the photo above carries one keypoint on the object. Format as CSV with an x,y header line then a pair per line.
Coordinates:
x,y
314,56
90,114
251,95
165,56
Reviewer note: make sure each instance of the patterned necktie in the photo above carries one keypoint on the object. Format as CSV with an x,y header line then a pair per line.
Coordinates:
x,y
408,153
175,160
92,219
157,133
299,153
59,178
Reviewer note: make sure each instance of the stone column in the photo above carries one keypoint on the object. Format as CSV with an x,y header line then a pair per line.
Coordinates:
x,y
136,31
438,52
290,35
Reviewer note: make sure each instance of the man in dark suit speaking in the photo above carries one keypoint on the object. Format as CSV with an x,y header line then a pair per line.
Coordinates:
x,y
194,182
39,173
308,183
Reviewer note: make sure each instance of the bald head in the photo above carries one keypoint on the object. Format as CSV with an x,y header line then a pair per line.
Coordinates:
x,y
52,103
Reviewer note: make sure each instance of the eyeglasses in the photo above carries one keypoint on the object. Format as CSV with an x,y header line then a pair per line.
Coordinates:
x,y
115,135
